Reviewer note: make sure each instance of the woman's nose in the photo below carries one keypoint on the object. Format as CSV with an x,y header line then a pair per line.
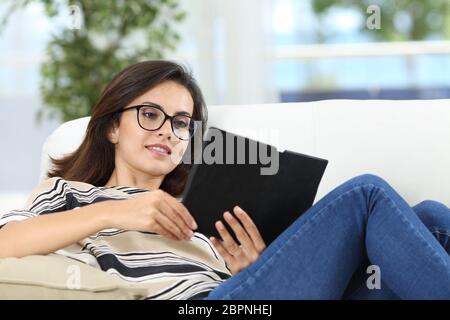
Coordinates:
x,y
166,128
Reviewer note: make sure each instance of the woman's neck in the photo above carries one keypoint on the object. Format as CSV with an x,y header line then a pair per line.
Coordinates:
x,y
129,180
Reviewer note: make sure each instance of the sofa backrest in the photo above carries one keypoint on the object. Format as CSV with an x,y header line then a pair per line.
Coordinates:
x,y
405,142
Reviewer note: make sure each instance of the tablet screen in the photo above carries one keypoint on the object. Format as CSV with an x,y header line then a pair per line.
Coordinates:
x,y
272,200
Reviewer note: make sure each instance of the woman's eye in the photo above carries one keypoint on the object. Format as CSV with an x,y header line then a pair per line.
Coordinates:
x,y
180,124
149,114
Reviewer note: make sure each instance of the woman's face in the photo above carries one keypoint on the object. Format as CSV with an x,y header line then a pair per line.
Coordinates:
x,y
133,144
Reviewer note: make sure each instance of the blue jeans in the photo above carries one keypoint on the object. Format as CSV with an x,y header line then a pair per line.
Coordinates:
x,y
325,252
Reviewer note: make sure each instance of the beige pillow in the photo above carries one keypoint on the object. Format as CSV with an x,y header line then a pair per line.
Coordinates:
x,y
57,277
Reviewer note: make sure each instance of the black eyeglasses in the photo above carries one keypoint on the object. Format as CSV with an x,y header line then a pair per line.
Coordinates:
x,y
151,117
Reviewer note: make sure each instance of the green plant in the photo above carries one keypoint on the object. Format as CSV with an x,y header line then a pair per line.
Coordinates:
x,y
114,34
423,18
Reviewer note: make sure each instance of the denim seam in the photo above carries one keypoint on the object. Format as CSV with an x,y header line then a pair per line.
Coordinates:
x,y
292,238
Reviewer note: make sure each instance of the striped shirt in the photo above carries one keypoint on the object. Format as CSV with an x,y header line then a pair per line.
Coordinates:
x,y
167,269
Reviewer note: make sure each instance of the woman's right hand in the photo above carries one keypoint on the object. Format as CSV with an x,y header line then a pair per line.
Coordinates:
x,y
156,211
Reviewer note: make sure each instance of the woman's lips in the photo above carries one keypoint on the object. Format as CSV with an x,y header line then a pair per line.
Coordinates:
x,y
159,150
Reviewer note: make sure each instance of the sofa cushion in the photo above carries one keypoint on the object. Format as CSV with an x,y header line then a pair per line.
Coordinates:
x,y
54,276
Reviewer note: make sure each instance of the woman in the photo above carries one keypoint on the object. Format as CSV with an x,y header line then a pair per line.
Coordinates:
x,y
132,153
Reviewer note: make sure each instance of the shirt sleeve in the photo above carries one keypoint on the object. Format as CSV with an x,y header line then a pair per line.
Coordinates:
x,y
50,196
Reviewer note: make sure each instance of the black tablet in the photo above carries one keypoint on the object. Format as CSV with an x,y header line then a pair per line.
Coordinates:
x,y
273,187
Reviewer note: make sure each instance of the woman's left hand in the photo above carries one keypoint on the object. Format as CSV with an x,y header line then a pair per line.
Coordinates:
x,y
238,255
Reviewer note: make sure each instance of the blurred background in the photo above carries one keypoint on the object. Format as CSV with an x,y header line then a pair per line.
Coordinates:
x,y
57,55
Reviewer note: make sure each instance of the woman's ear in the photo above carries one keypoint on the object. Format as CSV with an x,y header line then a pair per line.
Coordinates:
x,y
113,134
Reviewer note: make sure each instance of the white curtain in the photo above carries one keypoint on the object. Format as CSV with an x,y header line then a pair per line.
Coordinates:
x,y
229,46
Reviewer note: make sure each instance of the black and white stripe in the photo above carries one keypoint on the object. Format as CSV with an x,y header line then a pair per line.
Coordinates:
x,y
168,269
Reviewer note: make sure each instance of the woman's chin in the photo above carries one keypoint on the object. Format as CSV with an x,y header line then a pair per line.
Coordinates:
x,y
157,165
158,169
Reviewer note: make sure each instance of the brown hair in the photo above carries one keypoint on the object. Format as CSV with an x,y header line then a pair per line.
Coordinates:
x,y
94,161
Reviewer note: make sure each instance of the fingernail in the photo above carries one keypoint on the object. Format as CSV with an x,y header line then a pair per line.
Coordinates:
x,y
188,234
194,225
219,225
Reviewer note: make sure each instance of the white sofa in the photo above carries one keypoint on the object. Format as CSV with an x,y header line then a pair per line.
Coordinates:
x,y
405,142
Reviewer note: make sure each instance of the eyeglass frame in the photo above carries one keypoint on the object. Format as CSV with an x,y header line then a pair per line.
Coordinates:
x,y
166,116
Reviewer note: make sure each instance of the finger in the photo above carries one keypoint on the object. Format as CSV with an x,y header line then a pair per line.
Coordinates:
x,y
161,231
251,228
228,241
221,249
241,234
170,226
175,218
181,210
